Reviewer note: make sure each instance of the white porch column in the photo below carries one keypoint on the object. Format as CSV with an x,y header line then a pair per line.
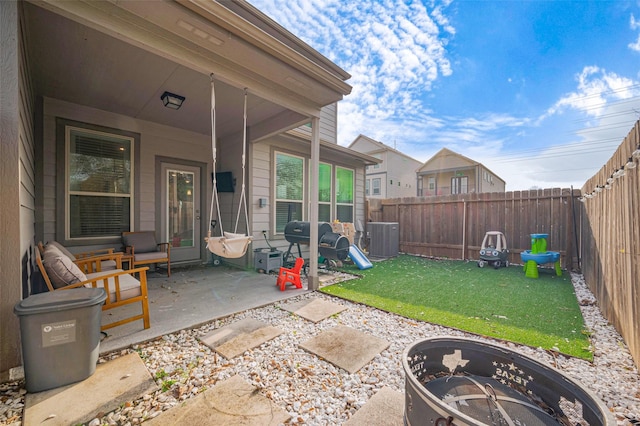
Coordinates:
x,y
314,282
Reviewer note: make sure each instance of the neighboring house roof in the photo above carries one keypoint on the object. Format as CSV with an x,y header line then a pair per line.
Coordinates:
x,y
380,147
435,163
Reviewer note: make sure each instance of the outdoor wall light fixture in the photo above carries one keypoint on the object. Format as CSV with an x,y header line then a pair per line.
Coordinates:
x,y
171,100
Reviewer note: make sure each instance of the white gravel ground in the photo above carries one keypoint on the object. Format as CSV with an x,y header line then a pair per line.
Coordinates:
x,y
315,392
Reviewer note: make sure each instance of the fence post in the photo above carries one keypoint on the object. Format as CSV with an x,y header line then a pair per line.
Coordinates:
x,y
464,228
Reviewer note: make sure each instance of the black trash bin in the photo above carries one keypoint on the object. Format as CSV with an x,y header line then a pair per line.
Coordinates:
x,y
60,334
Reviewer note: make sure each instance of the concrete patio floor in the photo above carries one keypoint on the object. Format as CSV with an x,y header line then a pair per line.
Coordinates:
x,y
192,296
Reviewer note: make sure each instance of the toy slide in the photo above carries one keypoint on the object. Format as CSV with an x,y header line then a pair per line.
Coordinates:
x,y
359,258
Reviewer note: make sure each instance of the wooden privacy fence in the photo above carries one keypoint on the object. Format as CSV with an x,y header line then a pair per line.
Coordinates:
x,y
453,226
610,241
600,236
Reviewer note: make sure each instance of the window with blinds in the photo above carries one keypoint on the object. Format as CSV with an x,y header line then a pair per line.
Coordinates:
x,y
289,189
324,192
344,194
99,188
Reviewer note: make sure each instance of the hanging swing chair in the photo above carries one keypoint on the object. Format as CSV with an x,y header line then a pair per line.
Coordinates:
x,y
229,245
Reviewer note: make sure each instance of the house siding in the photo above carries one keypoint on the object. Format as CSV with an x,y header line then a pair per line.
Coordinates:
x,y
18,182
395,167
328,124
446,164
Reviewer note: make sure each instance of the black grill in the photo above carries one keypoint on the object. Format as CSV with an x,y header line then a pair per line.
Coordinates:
x,y
330,244
299,232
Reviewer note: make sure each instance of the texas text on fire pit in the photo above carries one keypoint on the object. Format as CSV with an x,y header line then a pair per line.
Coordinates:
x,y
459,381
331,245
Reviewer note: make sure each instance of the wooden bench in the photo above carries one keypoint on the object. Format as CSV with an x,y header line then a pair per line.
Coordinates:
x,y
122,287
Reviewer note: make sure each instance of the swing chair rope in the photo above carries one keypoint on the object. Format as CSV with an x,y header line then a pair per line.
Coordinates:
x,y
214,198
243,198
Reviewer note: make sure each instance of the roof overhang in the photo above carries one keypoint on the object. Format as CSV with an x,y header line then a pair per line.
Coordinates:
x,y
175,46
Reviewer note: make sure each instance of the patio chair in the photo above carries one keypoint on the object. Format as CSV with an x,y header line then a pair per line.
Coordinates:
x,y
290,275
101,259
121,287
143,249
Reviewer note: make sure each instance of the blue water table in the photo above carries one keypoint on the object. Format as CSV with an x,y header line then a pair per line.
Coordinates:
x,y
539,255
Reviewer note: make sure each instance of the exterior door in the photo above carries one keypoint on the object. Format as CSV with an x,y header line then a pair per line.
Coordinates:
x,y
181,211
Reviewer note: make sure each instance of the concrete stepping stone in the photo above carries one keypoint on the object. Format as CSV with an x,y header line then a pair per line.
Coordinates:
x,y
345,347
236,338
233,402
315,309
115,382
385,408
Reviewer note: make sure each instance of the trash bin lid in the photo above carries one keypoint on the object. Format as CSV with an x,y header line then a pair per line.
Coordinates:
x,y
61,300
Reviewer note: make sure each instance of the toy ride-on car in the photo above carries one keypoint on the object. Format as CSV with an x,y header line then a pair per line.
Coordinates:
x,y
494,250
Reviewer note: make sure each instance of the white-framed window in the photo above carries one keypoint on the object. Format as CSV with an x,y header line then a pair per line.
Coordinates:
x,y
375,186
98,183
459,184
432,183
367,183
344,194
289,189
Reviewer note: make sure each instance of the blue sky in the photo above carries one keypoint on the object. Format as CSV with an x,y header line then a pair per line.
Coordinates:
x,y
541,92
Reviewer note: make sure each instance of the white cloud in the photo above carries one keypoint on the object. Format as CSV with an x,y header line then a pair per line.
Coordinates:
x,y
596,89
634,25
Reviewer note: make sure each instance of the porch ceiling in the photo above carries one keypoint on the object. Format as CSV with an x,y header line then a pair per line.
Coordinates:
x,y
79,64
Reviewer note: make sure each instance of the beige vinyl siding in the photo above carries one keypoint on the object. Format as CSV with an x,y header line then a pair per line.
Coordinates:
x,y
328,124
365,145
260,188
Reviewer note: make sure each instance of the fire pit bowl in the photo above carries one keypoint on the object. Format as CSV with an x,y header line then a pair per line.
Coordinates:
x,y
461,381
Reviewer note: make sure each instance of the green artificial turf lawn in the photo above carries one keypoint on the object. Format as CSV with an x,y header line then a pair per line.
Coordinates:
x,y
502,303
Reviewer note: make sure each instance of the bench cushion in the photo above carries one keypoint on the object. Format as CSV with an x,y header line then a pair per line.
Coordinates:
x,y
129,285
60,269
150,257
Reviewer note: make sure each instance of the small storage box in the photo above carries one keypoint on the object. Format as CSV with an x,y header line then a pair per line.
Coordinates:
x,y
267,260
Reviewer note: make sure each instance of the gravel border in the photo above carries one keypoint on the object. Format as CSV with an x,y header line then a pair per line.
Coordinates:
x,y
315,392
